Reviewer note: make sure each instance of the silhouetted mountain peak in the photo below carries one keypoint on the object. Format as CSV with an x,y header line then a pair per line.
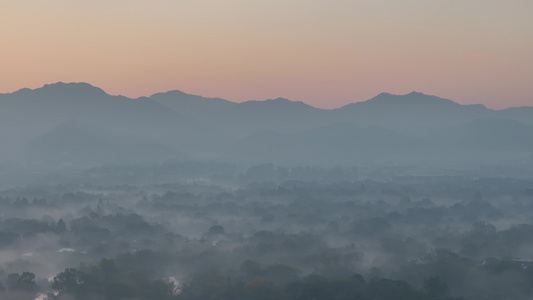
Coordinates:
x,y
81,88
182,102
71,88
173,93
180,96
283,101
413,99
277,102
280,99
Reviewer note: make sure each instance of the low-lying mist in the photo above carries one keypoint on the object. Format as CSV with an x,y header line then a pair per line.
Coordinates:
x,y
267,225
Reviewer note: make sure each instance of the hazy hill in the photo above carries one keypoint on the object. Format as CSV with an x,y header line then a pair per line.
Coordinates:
x,y
27,114
184,103
414,113
42,123
77,144
493,134
215,117
334,143
522,114
278,114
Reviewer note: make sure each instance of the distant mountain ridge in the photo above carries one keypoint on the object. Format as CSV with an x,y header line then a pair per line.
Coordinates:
x,y
83,88
55,89
177,98
407,127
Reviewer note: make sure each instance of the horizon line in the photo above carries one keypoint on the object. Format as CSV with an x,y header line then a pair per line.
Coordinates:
x,y
254,100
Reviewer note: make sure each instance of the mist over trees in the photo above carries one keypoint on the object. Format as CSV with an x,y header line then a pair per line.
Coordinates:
x,y
178,196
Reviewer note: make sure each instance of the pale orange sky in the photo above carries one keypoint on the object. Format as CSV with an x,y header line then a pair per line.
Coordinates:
x,y
324,52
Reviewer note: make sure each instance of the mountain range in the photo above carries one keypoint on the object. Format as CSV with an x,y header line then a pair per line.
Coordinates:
x,y
79,124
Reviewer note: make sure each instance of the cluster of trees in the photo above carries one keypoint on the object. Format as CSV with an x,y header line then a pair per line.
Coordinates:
x,y
24,282
124,279
110,280
425,238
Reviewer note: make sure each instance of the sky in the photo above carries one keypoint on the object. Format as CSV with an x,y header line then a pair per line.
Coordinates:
x,y
326,53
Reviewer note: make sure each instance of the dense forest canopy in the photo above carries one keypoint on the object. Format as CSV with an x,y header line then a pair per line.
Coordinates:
x,y
266,232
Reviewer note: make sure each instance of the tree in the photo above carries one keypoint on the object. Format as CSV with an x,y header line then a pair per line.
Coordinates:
x,y
68,281
216,230
61,227
24,282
